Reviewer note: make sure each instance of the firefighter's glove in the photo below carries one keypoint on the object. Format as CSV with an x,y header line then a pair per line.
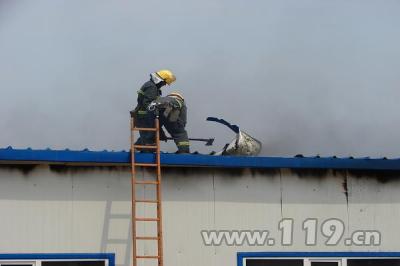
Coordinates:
x,y
152,107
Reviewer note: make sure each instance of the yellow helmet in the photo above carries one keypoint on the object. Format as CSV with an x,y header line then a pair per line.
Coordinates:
x,y
167,76
176,94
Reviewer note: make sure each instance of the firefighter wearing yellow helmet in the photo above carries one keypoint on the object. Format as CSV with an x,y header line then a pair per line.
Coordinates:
x,y
149,92
173,116
167,76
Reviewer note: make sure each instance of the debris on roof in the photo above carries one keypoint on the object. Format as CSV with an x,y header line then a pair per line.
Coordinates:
x,y
243,144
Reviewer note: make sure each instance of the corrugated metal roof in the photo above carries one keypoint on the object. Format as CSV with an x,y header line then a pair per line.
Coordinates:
x,y
105,157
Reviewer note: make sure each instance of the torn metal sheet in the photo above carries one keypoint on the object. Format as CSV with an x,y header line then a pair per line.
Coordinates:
x,y
243,144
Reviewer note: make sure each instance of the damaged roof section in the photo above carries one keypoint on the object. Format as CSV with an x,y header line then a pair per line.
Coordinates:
x,y
87,157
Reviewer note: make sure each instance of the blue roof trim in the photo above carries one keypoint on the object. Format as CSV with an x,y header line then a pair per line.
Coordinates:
x,y
167,159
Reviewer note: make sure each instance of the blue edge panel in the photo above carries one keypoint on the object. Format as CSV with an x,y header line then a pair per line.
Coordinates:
x,y
243,255
191,160
61,256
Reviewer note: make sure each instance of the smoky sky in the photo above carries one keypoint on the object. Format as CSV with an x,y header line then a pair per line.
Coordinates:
x,y
302,76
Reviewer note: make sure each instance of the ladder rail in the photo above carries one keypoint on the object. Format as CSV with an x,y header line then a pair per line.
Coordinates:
x,y
133,193
159,209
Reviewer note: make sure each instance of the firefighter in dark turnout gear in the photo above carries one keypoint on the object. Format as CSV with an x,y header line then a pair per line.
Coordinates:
x,y
149,92
173,115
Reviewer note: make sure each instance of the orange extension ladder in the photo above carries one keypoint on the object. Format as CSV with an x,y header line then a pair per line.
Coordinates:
x,y
157,201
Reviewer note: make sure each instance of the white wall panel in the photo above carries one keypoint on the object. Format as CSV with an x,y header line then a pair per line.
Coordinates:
x,y
87,209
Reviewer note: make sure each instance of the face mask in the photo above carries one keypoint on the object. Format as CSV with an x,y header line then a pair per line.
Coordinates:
x,y
155,78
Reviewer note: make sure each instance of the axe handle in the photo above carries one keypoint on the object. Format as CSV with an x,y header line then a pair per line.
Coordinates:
x,y
194,139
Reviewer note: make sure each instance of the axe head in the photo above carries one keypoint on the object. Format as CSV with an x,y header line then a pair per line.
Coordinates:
x,y
210,142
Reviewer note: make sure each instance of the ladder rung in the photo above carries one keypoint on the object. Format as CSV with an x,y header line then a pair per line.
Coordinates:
x,y
147,219
146,201
147,257
146,164
145,129
146,238
145,146
146,182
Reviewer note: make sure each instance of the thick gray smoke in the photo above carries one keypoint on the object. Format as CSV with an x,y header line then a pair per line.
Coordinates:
x,y
302,76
